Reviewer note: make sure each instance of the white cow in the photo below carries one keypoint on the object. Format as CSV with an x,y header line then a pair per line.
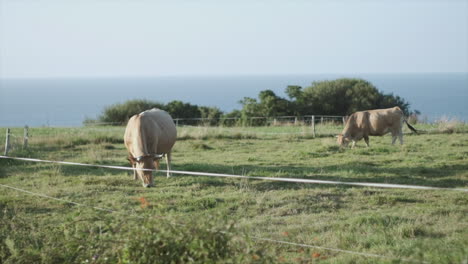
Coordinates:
x,y
148,137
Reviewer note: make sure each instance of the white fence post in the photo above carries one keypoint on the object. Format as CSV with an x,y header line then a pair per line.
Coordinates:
x,y
7,142
313,126
26,137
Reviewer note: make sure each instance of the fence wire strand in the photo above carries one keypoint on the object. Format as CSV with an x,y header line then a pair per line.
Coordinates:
x,y
253,237
280,179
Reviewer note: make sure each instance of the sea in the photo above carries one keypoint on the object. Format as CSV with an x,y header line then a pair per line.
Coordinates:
x,y
67,102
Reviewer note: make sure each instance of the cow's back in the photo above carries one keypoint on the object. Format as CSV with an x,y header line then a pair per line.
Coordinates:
x,y
382,121
150,132
158,124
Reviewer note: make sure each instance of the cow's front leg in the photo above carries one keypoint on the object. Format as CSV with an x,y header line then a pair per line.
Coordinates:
x,y
353,144
366,139
135,176
156,164
168,162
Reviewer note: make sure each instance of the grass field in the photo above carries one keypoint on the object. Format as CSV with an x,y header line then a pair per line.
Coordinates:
x,y
201,219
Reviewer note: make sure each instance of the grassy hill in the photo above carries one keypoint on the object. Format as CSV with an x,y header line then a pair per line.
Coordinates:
x,y
203,219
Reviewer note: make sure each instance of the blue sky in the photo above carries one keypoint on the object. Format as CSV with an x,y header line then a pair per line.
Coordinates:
x,y
119,38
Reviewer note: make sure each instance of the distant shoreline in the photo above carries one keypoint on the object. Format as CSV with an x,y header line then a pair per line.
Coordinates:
x,y
202,76
69,102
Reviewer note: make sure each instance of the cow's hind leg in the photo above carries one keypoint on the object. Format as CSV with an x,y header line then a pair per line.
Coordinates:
x,y
168,162
394,137
400,136
366,139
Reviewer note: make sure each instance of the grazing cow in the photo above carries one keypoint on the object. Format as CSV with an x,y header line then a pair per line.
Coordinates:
x,y
373,123
148,137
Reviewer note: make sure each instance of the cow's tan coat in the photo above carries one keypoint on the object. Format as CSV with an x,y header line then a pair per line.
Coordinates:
x,y
361,125
149,134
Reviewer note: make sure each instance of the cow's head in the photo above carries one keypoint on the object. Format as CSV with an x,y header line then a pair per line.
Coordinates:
x,y
143,162
342,140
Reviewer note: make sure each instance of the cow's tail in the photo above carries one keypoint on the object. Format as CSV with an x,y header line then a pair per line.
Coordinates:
x,y
411,127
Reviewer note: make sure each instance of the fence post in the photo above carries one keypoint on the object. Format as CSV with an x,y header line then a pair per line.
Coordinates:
x,y
7,142
26,137
344,120
295,120
274,122
321,121
177,122
313,126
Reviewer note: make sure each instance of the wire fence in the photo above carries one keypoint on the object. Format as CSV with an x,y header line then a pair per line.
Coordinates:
x,y
190,128
270,240
247,121
233,176
15,139
222,175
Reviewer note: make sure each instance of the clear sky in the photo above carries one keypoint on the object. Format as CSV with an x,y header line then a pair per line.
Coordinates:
x,y
107,38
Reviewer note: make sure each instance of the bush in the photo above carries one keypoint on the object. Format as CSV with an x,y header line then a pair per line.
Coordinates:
x,y
86,238
448,125
195,242
121,113
338,97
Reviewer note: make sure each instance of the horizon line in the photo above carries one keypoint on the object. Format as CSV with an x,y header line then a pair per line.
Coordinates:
x,y
145,76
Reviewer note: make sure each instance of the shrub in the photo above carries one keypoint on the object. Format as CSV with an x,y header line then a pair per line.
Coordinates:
x,y
119,239
447,125
121,113
167,242
337,97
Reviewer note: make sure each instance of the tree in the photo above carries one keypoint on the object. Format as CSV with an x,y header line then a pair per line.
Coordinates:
x,y
121,113
250,108
272,105
213,114
179,109
346,96
390,100
296,103
337,97
294,92
269,104
232,118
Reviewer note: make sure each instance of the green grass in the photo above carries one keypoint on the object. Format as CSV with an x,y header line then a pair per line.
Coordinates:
x,y
419,225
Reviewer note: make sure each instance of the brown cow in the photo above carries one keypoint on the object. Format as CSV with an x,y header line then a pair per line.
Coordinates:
x,y
373,123
148,137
